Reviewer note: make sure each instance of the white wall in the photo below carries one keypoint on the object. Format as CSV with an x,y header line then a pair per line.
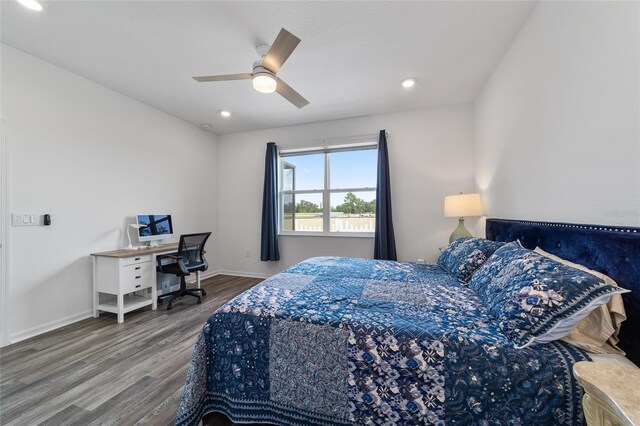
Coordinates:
x,y
557,123
91,158
431,155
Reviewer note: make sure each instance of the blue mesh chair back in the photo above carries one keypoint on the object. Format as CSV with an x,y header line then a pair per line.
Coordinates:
x,y
191,250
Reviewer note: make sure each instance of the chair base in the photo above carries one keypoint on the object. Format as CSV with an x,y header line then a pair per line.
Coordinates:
x,y
183,291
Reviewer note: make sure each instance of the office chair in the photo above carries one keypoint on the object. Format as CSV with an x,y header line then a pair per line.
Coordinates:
x,y
189,258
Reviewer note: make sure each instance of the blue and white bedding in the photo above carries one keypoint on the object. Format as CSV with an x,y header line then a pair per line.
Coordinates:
x,y
354,341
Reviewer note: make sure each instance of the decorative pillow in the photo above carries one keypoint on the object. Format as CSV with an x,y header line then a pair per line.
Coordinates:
x,y
598,332
465,255
534,298
495,266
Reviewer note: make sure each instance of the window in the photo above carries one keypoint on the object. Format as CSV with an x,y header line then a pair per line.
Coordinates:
x,y
328,191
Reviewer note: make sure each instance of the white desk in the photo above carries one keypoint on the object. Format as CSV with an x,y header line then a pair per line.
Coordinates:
x,y
125,280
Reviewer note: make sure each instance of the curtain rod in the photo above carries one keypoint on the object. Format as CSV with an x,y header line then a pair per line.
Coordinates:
x,y
324,143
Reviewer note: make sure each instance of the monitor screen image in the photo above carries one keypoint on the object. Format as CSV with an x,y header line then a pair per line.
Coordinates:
x,y
154,226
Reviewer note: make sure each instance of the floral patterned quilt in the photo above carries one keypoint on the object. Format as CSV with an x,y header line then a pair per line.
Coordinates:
x,y
336,341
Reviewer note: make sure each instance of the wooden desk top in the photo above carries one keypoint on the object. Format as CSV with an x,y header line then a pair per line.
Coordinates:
x,y
137,252
614,385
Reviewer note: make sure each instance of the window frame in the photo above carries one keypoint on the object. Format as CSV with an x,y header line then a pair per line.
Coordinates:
x,y
325,192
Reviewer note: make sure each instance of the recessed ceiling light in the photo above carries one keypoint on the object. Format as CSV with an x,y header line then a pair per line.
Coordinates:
x,y
31,4
225,113
408,82
206,125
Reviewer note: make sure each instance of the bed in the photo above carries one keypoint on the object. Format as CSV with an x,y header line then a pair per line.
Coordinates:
x,y
354,341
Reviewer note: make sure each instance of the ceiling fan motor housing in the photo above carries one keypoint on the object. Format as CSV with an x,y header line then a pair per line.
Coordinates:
x,y
259,69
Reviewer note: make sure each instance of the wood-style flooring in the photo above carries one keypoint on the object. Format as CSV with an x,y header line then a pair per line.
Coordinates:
x,y
99,372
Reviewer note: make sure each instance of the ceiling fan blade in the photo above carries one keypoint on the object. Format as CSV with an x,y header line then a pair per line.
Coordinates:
x,y
280,50
243,76
291,95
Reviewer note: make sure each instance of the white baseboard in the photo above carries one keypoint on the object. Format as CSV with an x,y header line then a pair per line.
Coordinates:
x,y
203,276
32,332
209,274
242,274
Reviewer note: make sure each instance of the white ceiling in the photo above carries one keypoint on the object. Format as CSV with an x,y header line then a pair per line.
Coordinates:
x,y
350,62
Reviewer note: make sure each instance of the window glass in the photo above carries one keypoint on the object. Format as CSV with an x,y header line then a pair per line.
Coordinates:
x,y
354,169
288,212
353,211
302,212
349,190
300,172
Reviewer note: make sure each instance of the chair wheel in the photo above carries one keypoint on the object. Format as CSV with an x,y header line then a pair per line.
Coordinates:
x,y
199,300
204,293
169,307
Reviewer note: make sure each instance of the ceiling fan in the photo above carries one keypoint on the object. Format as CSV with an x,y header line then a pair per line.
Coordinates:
x,y
265,69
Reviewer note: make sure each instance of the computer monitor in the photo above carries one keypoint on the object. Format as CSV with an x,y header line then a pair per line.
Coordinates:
x,y
154,227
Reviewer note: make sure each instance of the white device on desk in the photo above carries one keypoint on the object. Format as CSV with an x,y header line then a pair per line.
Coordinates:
x,y
134,226
154,228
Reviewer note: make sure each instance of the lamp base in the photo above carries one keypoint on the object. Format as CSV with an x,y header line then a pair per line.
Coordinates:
x,y
460,232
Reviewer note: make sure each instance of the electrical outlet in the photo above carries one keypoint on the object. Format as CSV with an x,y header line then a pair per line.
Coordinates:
x,y
420,261
166,286
247,253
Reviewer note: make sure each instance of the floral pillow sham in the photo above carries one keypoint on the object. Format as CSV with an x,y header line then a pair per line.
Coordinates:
x,y
465,255
536,299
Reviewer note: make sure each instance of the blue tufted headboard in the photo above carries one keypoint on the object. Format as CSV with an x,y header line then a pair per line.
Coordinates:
x,y
612,250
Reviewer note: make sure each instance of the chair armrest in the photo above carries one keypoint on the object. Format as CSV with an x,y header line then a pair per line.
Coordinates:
x,y
172,256
183,268
166,256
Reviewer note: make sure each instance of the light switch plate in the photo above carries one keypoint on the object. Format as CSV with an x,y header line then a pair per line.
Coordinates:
x,y
27,219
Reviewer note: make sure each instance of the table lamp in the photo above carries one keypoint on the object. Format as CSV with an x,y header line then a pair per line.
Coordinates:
x,y
135,226
461,206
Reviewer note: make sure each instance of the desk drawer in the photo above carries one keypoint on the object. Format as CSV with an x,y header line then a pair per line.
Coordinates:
x,y
136,277
136,285
135,259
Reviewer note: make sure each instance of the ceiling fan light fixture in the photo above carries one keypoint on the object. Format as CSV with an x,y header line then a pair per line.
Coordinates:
x,y
264,82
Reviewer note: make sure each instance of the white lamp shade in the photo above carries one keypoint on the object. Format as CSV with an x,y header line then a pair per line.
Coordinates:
x,y
462,205
264,82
